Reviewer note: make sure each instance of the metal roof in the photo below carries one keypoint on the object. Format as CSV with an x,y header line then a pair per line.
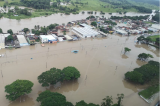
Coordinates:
x,y
22,40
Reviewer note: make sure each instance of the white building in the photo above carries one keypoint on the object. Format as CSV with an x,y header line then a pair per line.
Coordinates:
x,y
68,37
156,26
22,40
85,32
43,38
86,26
122,32
2,39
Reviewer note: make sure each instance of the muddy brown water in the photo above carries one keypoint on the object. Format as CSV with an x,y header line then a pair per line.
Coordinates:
x,y
101,63
17,25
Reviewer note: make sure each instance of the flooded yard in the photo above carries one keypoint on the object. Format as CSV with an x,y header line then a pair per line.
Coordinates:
x,y
101,62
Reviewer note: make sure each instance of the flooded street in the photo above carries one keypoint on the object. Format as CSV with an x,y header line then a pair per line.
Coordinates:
x,y
17,25
101,62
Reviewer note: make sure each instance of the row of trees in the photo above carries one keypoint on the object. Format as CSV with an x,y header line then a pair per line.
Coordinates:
x,y
38,30
156,17
124,4
130,17
145,73
54,75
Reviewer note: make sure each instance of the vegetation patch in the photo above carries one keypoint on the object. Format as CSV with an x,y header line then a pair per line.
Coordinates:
x,y
153,38
147,93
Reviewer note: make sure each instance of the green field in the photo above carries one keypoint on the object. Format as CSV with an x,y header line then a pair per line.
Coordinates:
x,y
147,93
9,1
154,37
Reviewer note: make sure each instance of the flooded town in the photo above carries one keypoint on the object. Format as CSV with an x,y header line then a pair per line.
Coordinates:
x,y
112,54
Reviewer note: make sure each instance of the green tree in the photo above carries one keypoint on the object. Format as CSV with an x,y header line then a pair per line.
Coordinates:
x,y
1,31
107,101
120,98
144,56
50,77
83,103
18,88
126,49
25,30
94,24
69,73
145,73
9,38
10,31
48,98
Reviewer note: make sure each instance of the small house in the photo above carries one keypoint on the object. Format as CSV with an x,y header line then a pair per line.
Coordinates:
x,y
43,38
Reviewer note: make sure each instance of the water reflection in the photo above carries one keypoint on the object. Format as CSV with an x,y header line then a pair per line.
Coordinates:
x,y
124,56
66,86
133,87
140,63
149,48
23,101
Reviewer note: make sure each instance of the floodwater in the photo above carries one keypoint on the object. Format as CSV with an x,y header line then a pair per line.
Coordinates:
x,y
17,25
101,63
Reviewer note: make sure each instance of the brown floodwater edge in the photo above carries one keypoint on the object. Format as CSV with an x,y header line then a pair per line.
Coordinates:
x,y
101,63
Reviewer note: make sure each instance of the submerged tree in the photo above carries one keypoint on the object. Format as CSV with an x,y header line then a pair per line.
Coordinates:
x,y
18,88
70,73
48,98
9,38
144,56
107,101
126,49
120,98
50,77
10,31
1,30
83,103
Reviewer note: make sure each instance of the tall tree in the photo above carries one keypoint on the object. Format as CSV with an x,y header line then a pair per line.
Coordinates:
x,y
126,49
50,77
18,88
1,31
120,98
48,98
107,101
69,73
10,31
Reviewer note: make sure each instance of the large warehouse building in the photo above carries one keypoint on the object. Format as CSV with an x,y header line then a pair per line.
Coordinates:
x,y
22,40
85,32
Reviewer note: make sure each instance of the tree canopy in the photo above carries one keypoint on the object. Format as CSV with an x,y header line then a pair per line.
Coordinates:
x,y
126,49
10,31
48,98
83,103
50,77
144,74
54,75
1,31
25,30
144,56
94,24
9,38
18,88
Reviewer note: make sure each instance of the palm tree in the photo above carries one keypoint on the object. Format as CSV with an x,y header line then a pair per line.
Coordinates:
x,y
35,27
107,101
38,27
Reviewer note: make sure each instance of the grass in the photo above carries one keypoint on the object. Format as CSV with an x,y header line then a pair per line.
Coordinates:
x,y
147,93
9,1
154,37
95,5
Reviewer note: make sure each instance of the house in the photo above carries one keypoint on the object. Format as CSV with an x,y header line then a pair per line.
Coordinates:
x,y
84,32
31,40
50,38
22,40
2,39
121,32
68,37
65,29
43,38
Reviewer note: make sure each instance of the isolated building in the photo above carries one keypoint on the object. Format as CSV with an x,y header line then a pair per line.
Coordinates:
x,y
2,39
22,40
85,32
